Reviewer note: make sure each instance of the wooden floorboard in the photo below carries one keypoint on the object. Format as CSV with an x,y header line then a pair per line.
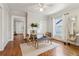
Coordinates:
x,y
13,49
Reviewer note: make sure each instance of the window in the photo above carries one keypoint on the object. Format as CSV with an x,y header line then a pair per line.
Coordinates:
x,y
58,27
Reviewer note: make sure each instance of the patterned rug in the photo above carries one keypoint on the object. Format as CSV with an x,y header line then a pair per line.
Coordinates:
x,y
29,50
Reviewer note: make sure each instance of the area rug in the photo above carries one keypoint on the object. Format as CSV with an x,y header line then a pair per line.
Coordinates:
x,y
28,50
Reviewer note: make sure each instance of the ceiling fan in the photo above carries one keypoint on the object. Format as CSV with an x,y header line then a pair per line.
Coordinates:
x,y
42,6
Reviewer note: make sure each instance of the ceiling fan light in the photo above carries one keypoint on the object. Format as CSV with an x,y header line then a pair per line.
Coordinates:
x,y
73,18
41,9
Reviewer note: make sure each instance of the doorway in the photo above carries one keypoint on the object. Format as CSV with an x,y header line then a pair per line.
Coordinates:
x,y
18,28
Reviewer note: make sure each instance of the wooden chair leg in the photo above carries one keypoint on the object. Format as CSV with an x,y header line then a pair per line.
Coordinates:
x,y
64,43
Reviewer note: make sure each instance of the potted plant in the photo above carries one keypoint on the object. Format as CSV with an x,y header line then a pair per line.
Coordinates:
x,y
34,25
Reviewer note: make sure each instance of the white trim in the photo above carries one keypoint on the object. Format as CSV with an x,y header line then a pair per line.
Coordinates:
x,y
12,23
2,49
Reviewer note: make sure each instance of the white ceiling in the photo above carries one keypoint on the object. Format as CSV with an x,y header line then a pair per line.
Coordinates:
x,y
50,8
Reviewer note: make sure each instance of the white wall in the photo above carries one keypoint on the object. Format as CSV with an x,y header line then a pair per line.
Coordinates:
x,y
50,24
37,18
6,28
17,13
0,27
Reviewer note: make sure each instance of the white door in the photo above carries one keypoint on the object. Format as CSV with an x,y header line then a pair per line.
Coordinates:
x,y
19,27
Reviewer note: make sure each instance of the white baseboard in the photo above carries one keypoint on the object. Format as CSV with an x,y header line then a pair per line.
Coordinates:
x,y
4,45
2,49
74,43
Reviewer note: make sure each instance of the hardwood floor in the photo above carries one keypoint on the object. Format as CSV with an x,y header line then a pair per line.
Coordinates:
x,y
13,49
62,50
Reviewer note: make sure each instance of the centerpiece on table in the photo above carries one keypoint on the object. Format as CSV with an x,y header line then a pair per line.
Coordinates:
x,y
34,28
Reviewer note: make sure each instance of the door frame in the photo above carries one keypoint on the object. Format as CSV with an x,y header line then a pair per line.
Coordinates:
x,y
12,26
